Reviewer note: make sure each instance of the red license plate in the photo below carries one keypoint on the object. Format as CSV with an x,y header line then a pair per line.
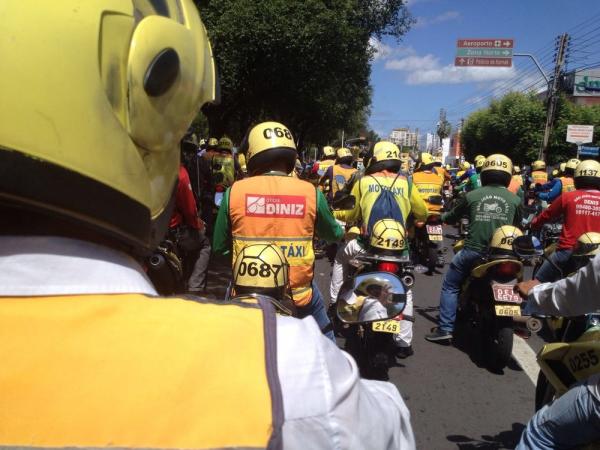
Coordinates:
x,y
505,293
434,229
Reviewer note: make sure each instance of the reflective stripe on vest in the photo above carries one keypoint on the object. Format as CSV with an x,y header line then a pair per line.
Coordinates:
x,y
338,183
370,188
131,371
568,184
539,177
279,210
428,184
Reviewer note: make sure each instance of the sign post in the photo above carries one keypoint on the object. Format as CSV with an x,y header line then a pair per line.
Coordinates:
x,y
484,53
580,134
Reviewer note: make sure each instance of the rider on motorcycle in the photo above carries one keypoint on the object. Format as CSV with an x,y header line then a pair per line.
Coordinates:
x,y
488,208
573,419
327,160
342,168
382,173
470,180
539,176
516,182
428,182
580,210
560,184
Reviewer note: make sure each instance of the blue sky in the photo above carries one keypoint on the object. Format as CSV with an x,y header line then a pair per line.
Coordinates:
x,y
413,79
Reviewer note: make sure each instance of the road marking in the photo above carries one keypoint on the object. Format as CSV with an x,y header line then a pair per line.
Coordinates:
x,y
526,358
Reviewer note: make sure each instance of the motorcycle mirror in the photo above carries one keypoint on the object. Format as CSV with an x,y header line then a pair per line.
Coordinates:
x,y
218,198
371,297
527,246
435,200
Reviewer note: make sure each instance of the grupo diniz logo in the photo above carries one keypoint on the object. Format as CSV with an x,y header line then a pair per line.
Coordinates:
x,y
288,206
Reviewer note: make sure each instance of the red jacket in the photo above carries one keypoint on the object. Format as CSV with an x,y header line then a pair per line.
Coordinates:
x,y
185,204
581,211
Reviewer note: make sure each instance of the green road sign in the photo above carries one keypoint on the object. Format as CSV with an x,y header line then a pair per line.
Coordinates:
x,y
485,52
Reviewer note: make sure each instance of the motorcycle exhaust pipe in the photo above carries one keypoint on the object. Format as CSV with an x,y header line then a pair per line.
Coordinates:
x,y
408,280
529,323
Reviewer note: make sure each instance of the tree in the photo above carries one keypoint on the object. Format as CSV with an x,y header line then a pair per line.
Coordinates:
x,y
305,63
443,126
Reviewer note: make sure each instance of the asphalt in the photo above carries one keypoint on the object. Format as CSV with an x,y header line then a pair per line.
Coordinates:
x,y
455,403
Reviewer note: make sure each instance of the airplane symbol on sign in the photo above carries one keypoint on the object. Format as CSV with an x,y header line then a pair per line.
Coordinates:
x,y
462,60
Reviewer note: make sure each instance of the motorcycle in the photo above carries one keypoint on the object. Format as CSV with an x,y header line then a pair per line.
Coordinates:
x,y
488,306
428,239
370,306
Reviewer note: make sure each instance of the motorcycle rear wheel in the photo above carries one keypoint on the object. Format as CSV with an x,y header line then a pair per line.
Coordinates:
x,y
544,391
501,344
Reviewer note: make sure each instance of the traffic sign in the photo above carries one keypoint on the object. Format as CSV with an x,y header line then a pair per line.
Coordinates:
x,y
580,134
461,61
485,43
484,52
589,151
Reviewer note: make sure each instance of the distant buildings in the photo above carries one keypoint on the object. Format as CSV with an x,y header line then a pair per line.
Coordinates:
x,y
403,137
432,142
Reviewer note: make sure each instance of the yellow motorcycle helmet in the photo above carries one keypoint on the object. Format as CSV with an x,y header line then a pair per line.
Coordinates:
x,y
479,163
263,269
538,165
502,240
555,173
268,142
344,153
516,170
561,168
225,144
497,169
426,159
465,165
587,175
571,165
96,101
588,244
386,156
328,151
212,143
372,286
388,235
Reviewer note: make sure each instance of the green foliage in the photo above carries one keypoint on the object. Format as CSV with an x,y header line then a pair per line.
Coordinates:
x,y
514,125
305,63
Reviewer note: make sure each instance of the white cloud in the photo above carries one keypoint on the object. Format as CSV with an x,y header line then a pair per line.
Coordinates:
x,y
384,52
447,16
413,63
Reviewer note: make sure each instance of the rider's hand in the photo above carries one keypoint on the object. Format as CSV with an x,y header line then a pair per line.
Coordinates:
x,y
524,287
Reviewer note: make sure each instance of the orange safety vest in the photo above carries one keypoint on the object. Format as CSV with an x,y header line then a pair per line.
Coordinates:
x,y
133,371
539,177
515,184
428,184
279,210
568,184
340,173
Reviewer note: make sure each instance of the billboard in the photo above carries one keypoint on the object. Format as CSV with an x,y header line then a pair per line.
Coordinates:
x,y
587,83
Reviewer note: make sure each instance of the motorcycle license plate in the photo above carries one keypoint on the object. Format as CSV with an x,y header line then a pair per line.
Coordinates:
x,y
435,232
508,310
506,293
387,326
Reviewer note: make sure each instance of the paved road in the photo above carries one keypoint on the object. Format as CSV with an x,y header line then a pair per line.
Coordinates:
x,y
454,404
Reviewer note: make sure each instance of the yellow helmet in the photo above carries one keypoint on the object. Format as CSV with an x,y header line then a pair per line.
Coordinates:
x,y
538,165
497,169
388,234
99,127
212,143
225,144
478,157
561,168
386,155
479,163
372,286
269,142
328,151
571,164
587,175
588,244
426,159
516,170
260,266
343,152
555,173
465,165
502,239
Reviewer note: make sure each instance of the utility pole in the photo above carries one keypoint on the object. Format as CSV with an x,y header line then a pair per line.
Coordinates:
x,y
552,92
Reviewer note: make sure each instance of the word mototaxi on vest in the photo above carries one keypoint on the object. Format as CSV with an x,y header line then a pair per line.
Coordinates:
x,y
285,216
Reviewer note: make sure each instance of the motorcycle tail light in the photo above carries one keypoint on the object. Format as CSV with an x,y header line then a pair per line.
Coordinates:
x,y
388,267
507,269
219,188
433,219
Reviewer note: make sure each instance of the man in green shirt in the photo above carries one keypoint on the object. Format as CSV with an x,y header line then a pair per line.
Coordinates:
x,y
488,208
274,208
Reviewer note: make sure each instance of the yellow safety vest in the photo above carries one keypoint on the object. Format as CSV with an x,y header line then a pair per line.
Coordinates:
x,y
132,371
282,211
339,171
568,184
429,184
539,177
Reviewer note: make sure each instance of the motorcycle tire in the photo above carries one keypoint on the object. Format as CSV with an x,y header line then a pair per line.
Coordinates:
x,y
544,391
432,258
501,344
